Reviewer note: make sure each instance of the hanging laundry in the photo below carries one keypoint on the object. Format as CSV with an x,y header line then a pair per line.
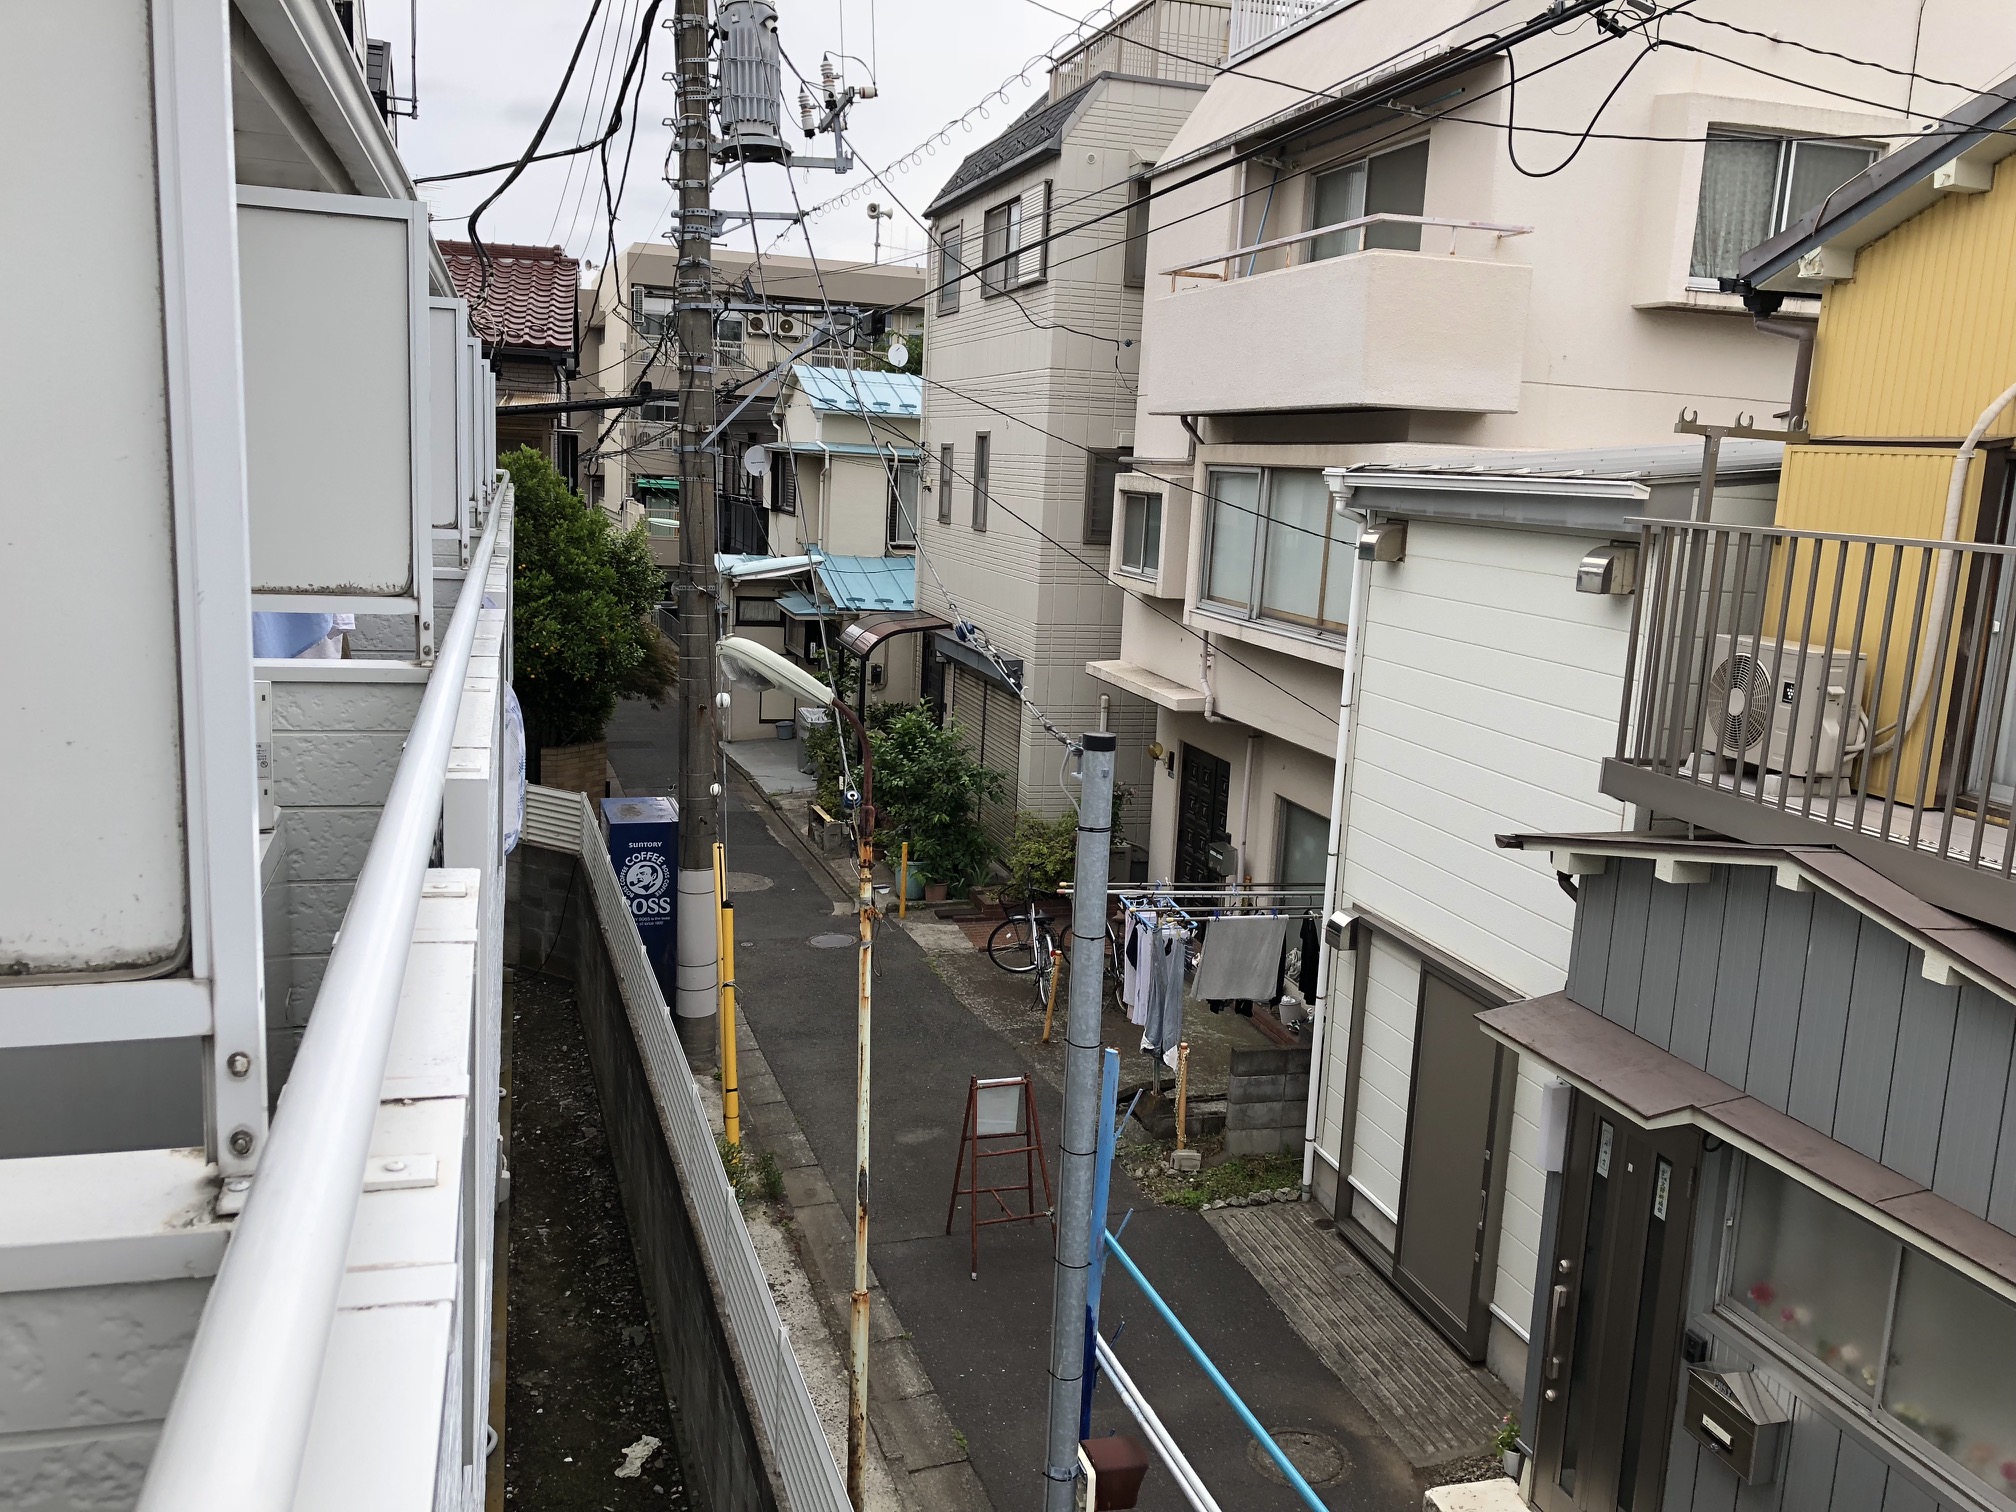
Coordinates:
x,y
1135,965
1242,957
1312,945
1164,1020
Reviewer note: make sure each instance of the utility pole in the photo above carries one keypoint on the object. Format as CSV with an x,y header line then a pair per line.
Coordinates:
x,y
1070,1321
693,314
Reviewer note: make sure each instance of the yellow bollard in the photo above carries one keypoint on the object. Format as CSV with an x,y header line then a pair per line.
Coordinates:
x,y
731,1098
724,1018
903,884
1182,1091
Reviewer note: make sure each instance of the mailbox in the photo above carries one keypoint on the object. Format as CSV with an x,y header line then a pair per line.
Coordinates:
x,y
1737,1420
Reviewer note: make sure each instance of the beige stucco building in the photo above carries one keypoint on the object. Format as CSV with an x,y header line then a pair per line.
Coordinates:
x,y
1428,358
1031,369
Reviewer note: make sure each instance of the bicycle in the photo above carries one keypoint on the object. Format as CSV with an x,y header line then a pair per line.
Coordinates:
x,y
1023,944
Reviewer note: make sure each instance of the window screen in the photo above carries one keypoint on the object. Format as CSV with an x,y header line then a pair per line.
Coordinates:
x,y
945,471
949,269
980,444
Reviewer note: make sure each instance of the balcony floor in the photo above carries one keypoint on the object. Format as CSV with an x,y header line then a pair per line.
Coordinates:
x,y
1938,864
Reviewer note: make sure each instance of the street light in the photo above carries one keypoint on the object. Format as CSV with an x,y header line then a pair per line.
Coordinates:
x,y
750,664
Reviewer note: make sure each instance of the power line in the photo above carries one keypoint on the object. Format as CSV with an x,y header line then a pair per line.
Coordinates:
x,y
589,109
1823,52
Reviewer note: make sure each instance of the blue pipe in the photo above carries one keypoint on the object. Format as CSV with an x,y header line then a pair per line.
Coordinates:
x,y
1102,1185
1261,1436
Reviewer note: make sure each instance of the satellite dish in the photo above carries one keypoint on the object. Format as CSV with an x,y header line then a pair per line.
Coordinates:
x,y
899,354
756,461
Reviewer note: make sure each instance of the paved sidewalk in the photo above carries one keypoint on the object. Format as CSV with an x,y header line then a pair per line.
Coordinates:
x,y
984,1344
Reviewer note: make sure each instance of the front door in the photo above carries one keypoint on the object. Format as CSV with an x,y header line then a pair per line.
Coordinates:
x,y
1615,1311
1453,1120
1201,809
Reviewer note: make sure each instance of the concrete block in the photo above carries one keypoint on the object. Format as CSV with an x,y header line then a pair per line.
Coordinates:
x,y
346,705
1297,1086
327,844
1499,1494
334,768
1258,1063
1263,1115
1256,1141
805,1187
1255,1089
895,1374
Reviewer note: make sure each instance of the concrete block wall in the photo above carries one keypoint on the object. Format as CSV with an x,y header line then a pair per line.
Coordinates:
x,y
336,746
1266,1101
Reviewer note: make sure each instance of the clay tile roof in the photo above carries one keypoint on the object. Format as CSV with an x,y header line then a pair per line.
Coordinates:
x,y
530,299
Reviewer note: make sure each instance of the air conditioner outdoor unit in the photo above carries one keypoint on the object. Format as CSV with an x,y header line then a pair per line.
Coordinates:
x,y
757,324
786,326
1807,722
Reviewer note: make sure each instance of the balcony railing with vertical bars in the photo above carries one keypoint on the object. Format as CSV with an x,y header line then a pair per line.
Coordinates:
x,y
1805,687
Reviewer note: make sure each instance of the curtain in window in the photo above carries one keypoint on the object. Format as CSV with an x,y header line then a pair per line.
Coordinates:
x,y
1235,521
1298,509
1339,196
1739,183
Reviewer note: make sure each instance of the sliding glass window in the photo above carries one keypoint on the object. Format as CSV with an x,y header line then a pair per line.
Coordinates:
x,y
1277,550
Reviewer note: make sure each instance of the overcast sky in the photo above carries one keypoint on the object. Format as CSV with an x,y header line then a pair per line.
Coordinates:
x,y
488,69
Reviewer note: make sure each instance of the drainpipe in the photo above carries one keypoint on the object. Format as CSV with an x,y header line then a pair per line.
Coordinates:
x,y
1763,307
1942,581
1211,714
1340,794
1246,806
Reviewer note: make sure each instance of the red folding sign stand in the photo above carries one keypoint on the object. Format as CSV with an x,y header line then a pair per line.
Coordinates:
x,y
999,1110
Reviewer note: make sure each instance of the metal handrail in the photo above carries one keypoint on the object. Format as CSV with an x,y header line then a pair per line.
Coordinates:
x,y
238,1427
1384,217
1775,666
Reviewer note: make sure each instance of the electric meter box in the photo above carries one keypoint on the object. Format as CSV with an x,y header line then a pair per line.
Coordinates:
x,y
1737,1420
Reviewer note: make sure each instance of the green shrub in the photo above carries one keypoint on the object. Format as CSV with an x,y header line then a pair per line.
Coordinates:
x,y
583,633
1042,854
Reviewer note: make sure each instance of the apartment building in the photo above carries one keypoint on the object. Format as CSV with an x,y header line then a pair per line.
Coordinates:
x,y
773,311
842,482
1031,363
524,302
1399,399
1778,1265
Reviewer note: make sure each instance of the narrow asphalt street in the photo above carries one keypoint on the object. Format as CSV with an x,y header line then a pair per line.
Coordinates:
x,y
985,1342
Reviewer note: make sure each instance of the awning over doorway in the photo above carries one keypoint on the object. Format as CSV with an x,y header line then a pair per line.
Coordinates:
x,y
1646,1084
869,631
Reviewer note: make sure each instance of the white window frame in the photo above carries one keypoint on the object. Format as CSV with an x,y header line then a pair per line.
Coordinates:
x,y
1253,611
1000,270
419,599
898,511
951,265
1151,506
1787,144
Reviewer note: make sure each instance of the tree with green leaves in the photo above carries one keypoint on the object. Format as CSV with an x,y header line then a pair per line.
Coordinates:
x,y
583,628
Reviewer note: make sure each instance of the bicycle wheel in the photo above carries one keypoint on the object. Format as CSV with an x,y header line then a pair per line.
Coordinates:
x,y
1045,953
1012,946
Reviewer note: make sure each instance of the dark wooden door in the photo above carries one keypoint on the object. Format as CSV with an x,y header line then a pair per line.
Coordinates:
x,y
1615,1312
1453,1117
1203,803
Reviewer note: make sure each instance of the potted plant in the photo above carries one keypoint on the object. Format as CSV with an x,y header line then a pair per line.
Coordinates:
x,y
1506,1442
582,626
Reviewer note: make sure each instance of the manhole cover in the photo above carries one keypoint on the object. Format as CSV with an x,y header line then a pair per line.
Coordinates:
x,y
833,941
1320,1458
741,882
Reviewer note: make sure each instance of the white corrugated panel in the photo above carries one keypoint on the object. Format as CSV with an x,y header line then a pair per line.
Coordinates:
x,y
1385,1064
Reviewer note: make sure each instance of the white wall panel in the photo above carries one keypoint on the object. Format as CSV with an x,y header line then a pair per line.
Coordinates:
x,y
1385,1063
447,377
93,833
329,326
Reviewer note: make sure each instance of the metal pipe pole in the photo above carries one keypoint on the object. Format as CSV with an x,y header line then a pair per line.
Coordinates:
x,y
864,982
1078,1142
693,302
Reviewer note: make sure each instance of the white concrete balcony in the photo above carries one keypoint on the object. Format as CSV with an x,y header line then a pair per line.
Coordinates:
x,y
1378,328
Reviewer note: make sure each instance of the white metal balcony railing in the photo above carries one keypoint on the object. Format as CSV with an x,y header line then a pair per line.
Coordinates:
x,y
1829,688
238,1428
1344,231
1254,21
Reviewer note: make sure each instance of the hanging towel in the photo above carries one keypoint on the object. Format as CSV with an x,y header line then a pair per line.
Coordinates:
x,y
1164,1017
1134,972
1242,956
1312,943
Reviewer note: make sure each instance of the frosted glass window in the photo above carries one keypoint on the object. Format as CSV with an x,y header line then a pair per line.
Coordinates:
x,y
1235,520
1814,1273
1754,187
1298,508
1951,1380
1141,539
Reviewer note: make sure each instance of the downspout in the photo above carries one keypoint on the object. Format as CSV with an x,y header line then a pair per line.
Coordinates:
x,y
1340,794
1942,580
1211,714
1246,806
1763,307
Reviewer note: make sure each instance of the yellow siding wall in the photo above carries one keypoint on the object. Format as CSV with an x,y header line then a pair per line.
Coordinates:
x,y
1874,490
1924,335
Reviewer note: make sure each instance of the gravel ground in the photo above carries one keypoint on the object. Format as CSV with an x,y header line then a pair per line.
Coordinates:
x,y
583,1395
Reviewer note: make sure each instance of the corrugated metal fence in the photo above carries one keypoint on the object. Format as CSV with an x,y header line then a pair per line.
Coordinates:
x,y
564,821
